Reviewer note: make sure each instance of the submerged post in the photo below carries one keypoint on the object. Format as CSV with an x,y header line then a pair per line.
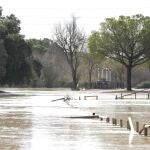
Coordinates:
x,y
121,96
101,118
121,123
96,97
137,126
116,97
128,126
145,131
107,120
114,121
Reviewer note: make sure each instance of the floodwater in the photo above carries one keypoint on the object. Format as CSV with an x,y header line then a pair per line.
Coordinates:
x,y
30,120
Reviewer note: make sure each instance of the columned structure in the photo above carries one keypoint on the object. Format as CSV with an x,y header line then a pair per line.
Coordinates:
x,y
106,74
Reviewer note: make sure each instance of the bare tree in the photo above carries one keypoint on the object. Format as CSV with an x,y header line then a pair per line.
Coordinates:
x,y
71,41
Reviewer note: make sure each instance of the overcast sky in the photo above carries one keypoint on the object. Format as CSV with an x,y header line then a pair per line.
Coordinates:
x,y
38,17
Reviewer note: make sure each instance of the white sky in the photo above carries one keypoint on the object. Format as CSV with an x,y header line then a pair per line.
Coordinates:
x,y
38,17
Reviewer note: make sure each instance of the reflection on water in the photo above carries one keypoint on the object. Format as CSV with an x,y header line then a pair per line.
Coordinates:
x,y
32,122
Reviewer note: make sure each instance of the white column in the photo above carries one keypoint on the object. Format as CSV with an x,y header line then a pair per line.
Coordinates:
x,y
98,77
107,74
102,75
110,75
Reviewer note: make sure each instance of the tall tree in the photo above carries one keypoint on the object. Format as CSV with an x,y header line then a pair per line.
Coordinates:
x,y
18,71
126,40
3,53
3,59
17,51
71,41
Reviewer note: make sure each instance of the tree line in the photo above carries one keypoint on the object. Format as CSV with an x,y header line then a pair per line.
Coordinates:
x,y
71,58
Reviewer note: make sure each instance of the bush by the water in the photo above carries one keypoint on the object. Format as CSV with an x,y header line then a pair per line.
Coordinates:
x,y
144,84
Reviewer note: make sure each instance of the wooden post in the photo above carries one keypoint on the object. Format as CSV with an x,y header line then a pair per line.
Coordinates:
x,y
96,97
128,126
114,121
137,126
135,95
107,120
101,119
148,95
121,123
145,131
121,96
116,97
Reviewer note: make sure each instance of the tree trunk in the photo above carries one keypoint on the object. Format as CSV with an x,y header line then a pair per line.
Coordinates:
x,y
75,80
129,73
90,79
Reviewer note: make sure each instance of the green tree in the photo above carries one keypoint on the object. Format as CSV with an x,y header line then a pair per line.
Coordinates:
x,y
40,46
18,70
125,40
16,50
3,53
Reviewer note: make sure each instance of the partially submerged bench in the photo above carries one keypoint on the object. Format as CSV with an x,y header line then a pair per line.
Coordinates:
x,y
95,96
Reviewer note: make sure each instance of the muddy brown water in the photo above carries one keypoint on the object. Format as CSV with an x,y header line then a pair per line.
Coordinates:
x,y
30,121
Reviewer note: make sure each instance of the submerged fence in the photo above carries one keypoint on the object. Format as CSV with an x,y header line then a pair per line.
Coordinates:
x,y
134,95
124,123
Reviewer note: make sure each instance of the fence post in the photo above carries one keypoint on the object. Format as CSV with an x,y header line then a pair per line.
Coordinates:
x,y
116,97
121,96
121,123
114,121
145,131
101,118
107,120
137,126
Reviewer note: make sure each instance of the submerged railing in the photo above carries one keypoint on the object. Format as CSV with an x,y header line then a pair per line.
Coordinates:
x,y
135,96
129,124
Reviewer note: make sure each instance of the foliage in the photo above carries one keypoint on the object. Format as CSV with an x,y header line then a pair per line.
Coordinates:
x,y
39,45
94,58
37,66
93,46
